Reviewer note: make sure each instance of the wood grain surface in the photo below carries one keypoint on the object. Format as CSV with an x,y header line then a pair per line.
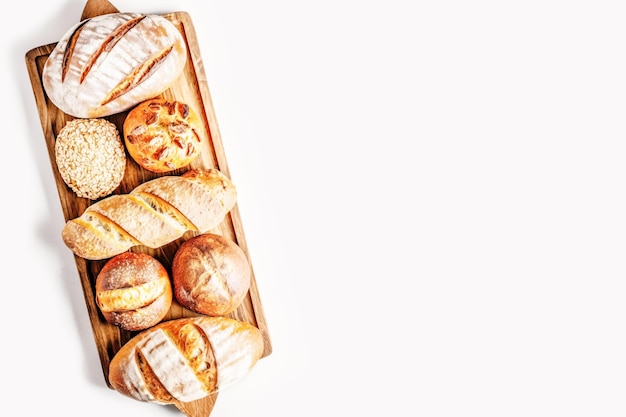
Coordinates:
x,y
191,88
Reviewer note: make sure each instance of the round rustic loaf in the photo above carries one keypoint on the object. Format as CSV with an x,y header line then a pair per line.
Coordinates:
x,y
133,291
210,274
109,63
90,157
162,135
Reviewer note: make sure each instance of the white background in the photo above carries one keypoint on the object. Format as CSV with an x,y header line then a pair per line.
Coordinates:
x,y
433,194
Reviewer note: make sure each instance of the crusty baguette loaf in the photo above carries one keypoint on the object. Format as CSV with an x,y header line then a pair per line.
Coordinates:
x,y
109,63
153,214
185,359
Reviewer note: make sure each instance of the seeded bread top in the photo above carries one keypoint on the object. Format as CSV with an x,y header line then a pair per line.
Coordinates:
x,y
90,157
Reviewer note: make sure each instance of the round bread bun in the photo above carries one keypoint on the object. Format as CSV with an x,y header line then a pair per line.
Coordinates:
x,y
162,135
133,291
90,157
210,275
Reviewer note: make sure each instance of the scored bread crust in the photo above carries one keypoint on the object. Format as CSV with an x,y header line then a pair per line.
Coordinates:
x,y
185,359
210,275
109,63
153,214
133,291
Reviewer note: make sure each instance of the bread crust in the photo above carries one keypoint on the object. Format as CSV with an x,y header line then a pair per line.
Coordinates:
x,y
153,214
162,135
109,63
185,359
90,157
133,291
210,275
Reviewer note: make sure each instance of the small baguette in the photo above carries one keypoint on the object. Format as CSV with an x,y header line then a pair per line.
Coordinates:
x,y
183,360
153,214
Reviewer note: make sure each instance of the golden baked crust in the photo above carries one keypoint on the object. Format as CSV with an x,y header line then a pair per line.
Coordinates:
x,y
210,275
185,359
154,213
90,157
133,291
162,135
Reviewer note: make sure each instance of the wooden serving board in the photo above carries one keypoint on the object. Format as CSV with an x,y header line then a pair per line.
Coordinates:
x,y
191,88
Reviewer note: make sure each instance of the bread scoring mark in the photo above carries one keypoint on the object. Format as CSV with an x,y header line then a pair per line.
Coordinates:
x,y
131,297
165,209
102,224
171,366
138,75
153,385
195,345
212,269
70,47
108,44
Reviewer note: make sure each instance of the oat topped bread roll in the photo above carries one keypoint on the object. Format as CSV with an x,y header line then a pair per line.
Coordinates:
x,y
109,63
90,157
162,135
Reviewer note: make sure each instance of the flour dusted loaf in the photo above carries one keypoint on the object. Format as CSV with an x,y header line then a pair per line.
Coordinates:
x,y
183,360
109,63
162,135
153,214
210,274
133,291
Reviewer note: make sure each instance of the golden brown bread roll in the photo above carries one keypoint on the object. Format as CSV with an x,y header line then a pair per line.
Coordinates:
x,y
210,274
185,359
133,291
109,63
162,135
153,214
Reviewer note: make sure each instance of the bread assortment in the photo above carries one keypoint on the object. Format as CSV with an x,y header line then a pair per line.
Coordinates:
x,y
210,275
185,359
109,63
120,64
133,291
162,135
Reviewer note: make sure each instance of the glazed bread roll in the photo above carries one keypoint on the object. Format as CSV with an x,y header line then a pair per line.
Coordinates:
x,y
185,359
162,135
133,291
109,63
153,214
210,275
